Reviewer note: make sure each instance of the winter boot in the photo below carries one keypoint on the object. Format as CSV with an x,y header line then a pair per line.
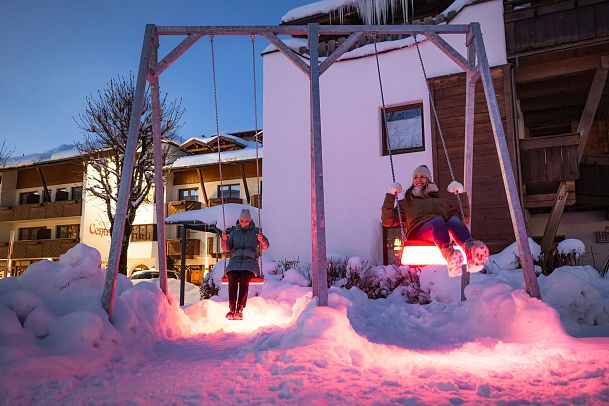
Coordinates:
x,y
454,260
231,313
239,313
477,253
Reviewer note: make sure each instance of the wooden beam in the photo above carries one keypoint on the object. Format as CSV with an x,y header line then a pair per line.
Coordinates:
x,y
245,188
451,52
288,52
570,66
44,184
175,53
554,220
203,191
342,48
594,97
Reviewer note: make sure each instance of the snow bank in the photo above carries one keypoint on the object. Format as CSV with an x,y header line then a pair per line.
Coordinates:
x,y
509,258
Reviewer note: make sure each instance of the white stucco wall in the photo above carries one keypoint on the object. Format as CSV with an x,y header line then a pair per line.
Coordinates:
x,y
356,175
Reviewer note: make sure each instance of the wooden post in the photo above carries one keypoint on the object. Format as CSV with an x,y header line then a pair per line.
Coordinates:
x,y
159,186
245,188
46,190
507,173
203,191
318,219
183,265
124,189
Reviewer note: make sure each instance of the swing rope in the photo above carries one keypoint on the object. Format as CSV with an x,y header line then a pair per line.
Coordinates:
x,y
438,126
396,202
213,70
256,141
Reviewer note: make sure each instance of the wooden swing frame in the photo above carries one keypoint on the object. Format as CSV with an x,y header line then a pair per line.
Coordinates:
x,y
475,64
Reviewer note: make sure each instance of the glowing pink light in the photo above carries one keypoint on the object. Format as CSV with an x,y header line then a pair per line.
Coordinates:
x,y
418,253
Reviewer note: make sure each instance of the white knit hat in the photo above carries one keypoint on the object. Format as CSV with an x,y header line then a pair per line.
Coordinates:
x,y
423,170
245,215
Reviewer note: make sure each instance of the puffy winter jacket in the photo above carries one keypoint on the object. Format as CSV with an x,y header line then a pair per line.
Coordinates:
x,y
418,210
242,245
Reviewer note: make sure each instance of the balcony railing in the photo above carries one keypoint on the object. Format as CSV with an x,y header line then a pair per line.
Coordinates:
x,y
256,201
174,247
549,159
38,248
180,206
217,201
36,211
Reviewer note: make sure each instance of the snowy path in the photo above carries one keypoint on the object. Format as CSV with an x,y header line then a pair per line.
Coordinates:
x,y
207,370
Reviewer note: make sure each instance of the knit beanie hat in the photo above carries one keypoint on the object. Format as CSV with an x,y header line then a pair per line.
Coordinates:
x,y
245,215
423,170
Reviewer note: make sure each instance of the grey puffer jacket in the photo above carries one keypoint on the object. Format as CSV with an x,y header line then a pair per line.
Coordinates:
x,y
242,244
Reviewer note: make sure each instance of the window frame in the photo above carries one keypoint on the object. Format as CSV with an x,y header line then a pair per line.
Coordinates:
x,y
143,233
231,188
74,227
181,196
402,107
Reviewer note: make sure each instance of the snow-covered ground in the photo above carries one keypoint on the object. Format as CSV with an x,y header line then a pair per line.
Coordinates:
x,y
499,346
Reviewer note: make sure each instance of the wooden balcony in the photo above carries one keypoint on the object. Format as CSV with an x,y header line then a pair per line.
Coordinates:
x,y
174,247
217,201
549,159
38,248
256,201
37,211
180,206
532,25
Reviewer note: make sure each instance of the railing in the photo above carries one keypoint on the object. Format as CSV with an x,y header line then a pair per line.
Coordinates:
x,y
38,248
36,211
174,247
534,25
217,201
180,206
549,159
256,201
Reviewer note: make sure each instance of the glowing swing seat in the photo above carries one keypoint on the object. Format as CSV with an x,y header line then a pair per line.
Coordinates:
x,y
256,280
421,253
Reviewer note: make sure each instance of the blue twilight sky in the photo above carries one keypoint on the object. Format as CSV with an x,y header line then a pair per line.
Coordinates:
x,y
54,53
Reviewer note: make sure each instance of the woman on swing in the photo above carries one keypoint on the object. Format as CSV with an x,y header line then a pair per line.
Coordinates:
x,y
428,217
243,245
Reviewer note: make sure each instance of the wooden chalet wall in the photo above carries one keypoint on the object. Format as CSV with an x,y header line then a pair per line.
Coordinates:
x,y
491,217
211,173
54,174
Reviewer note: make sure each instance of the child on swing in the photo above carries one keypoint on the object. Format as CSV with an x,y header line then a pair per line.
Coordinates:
x,y
243,245
428,217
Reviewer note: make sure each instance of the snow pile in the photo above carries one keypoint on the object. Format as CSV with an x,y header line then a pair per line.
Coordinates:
x,y
571,246
581,296
61,152
509,258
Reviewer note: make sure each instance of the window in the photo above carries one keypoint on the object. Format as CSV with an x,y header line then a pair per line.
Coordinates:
x,y
143,232
189,194
34,233
46,197
29,197
189,233
68,231
404,129
229,191
77,193
61,194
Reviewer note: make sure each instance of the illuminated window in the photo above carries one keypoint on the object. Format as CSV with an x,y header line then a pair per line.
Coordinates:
x,y
143,232
67,231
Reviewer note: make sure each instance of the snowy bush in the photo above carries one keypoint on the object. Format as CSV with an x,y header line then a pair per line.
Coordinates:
x,y
509,258
210,286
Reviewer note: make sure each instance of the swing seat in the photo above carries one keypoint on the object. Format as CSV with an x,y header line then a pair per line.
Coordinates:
x,y
421,253
256,280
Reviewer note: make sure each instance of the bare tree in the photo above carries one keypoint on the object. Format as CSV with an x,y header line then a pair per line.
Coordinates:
x,y
106,126
5,154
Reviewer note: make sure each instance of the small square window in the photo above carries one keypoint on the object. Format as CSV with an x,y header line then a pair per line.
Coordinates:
x,y
405,129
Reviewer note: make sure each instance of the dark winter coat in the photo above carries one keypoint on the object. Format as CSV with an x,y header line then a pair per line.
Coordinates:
x,y
418,210
242,245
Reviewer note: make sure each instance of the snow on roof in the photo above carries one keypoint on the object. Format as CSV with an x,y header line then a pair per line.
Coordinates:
x,y
213,138
212,158
65,151
371,11
212,216
292,43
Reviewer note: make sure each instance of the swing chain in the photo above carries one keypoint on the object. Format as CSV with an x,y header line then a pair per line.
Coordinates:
x,y
213,70
438,126
253,36
378,69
